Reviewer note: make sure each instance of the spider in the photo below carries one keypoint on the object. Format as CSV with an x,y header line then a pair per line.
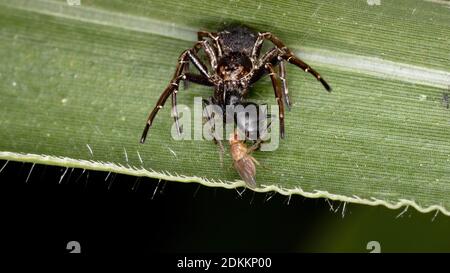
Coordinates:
x,y
234,66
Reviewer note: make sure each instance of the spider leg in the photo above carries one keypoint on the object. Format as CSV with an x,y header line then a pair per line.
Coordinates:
x,y
200,36
188,77
259,70
278,96
173,85
263,122
287,54
186,71
162,99
273,57
268,125
198,79
216,140
175,110
210,54
205,34
296,61
193,57
284,87
213,36
265,65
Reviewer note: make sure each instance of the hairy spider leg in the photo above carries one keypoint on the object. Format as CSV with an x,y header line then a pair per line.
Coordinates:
x,y
186,56
284,87
259,69
198,79
197,47
188,77
206,34
278,95
268,117
265,65
289,56
204,77
213,36
175,115
160,103
272,56
201,67
216,140
186,71
210,53
256,144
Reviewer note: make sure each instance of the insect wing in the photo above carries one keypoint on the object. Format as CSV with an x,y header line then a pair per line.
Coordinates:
x,y
246,169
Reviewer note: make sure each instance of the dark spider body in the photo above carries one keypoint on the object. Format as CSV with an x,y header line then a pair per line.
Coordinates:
x,y
234,64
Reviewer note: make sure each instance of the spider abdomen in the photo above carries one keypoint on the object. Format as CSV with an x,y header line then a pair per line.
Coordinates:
x,y
237,39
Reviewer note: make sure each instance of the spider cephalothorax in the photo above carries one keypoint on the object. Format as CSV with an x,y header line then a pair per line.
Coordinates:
x,y
234,64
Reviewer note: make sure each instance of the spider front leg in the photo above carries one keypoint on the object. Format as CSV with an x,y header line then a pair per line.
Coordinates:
x,y
217,139
210,54
290,57
284,86
278,95
209,51
188,77
175,110
188,55
287,55
213,36
201,79
255,126
185,71
206,34
265,65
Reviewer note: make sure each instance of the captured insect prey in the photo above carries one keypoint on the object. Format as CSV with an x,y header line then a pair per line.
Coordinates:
x,y
233,63
243,162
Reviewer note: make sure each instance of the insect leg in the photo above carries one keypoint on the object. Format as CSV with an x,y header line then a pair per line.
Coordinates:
x,y
278,96
255,146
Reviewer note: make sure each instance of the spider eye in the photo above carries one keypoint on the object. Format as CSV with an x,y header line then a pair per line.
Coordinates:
x,y
234,66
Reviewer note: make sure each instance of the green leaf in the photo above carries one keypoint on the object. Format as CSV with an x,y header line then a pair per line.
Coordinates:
x,y
77,83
